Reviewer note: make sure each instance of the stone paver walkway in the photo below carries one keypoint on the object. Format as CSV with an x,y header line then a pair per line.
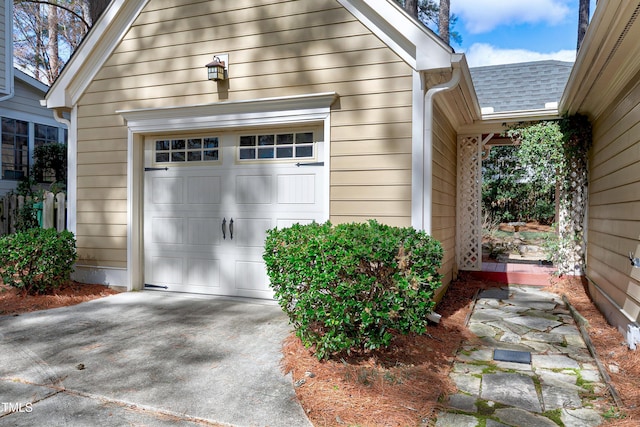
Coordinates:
x,y
555,381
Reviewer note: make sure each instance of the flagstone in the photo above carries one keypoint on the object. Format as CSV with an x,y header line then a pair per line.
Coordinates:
x,y
519,417
511,389
553,361
534,323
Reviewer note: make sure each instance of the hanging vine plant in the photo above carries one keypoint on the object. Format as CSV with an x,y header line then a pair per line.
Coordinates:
x,y
558,150
576,142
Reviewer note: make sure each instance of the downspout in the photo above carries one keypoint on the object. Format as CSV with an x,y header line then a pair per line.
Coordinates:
x,y
71,169
427,175
7,97
60,119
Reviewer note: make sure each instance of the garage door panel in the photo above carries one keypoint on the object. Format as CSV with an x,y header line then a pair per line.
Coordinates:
x,y
167,190
296,189
167,230
253,189
203,272
250,232
205,231
251,276
167,270
205,190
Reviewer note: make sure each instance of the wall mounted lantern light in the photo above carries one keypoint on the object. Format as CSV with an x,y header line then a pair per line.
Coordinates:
x,y
218,69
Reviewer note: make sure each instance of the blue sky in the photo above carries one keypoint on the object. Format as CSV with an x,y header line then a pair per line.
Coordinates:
x,y
508,31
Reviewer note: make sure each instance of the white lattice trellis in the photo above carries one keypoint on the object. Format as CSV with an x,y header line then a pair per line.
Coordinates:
x,y
469,230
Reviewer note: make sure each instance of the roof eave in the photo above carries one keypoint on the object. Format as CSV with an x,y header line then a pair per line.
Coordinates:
x,y
609,57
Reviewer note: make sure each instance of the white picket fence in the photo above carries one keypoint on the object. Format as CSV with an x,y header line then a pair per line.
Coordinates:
x,y
53,211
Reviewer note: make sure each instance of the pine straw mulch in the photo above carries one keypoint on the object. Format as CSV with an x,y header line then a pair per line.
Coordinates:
x,y
621,363
403,385
12,301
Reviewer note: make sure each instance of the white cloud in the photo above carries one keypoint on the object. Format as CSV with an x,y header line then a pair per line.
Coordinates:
x,y
481,54
481,16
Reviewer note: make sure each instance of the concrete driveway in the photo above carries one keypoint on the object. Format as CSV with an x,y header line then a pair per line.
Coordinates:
x,y
147,358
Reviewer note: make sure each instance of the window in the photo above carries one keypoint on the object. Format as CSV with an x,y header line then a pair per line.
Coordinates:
x,y
187,150
44,134
276,146
15,149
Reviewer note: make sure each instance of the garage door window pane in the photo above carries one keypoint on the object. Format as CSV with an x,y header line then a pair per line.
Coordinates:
x,y
247,153
306,137
189,150
304,151
210,142
285,139
287,146
210,155
285,152
265,153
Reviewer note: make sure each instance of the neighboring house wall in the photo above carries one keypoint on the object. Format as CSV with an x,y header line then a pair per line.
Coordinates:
x,y
6,47
25,106
280,48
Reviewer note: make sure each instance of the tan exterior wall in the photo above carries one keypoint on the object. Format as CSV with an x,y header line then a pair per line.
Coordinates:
x,y
279,48
614,204
443,226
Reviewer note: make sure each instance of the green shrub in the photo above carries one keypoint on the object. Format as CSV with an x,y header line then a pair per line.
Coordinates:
x,y
347,287
37,260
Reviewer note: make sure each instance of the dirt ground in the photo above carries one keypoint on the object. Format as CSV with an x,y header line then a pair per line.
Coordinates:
x,y
403,385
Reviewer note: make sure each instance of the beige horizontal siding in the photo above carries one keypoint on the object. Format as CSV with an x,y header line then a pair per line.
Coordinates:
x,y
371,178
367,147
99,230
614,202
371,209
443,222
107,219
102,181
379,192
107,207
621,211
369,163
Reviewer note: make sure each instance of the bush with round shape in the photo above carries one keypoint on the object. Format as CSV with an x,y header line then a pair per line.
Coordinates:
x,y
347,287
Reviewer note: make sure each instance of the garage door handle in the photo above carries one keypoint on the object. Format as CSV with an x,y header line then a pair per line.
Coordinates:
x,y
224,228
231,228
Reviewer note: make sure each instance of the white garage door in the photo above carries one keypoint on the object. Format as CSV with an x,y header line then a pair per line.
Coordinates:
x,y
209,200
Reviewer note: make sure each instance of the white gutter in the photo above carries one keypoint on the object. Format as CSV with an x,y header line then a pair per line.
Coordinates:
x,y
427,174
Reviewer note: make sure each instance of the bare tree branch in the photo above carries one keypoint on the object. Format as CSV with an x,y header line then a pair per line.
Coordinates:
x,y
86,24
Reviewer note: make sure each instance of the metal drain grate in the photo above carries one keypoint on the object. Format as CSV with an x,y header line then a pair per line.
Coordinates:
x,y
494,293
512,356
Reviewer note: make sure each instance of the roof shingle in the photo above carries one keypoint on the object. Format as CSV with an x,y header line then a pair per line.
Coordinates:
x,y
520,87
